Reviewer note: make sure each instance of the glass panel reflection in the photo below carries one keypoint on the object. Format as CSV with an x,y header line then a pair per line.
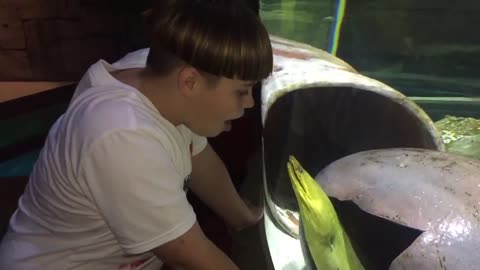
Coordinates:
x,y
321,125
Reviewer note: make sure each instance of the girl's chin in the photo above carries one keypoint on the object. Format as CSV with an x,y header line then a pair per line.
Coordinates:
x,y
227,126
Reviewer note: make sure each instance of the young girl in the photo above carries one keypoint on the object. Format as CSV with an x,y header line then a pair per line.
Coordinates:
x,y
109,188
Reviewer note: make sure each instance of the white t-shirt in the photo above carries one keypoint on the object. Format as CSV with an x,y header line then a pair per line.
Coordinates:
x,y
108,185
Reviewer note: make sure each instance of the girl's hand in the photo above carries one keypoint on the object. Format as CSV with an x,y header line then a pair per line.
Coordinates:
x,y
254,216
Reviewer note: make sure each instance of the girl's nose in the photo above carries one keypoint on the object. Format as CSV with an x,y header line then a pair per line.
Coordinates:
x,y
248,101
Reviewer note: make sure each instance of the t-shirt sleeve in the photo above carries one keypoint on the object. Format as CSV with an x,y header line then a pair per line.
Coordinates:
x,y
134,185
198,143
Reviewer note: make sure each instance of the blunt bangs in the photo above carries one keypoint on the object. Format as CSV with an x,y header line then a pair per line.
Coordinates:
x,y
223,38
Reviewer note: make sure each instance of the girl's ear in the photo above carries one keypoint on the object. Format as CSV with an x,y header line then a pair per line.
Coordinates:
x,y
147,19
188,81
147,13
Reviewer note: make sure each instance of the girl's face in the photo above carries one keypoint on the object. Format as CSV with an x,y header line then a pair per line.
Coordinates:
x,y
216,105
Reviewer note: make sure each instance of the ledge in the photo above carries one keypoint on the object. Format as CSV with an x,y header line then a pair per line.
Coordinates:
x,y
14,90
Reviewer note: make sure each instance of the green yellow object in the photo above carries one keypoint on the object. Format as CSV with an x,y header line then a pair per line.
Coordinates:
x,y
328,243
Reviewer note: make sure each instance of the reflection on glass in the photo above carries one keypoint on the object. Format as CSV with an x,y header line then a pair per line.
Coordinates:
x,y
321,125
461,135
424,49
304,21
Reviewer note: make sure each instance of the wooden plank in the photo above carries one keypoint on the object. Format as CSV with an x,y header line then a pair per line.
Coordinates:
x,y
34,9
43,50
11,34
14,66
14,90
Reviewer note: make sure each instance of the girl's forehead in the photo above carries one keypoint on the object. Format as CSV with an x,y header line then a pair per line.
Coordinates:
x,y
241,83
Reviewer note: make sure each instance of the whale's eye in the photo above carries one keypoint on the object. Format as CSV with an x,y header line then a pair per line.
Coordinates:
x,y
332,239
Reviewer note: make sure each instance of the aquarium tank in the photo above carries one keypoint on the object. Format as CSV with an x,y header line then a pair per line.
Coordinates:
x,y
349,76
425,50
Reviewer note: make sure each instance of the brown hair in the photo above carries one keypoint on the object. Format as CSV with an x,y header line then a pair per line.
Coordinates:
x,y
220,37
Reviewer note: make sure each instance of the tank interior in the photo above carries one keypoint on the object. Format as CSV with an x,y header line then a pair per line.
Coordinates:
x,y
48,44
321,125
377,241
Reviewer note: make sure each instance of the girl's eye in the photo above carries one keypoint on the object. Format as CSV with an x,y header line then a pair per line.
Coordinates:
x,y
242,92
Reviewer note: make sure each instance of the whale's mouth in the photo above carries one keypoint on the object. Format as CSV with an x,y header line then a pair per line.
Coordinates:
x,y
377,241
320,125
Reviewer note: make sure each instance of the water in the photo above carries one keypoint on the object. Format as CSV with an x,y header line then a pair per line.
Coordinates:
x,y
305,21
425,49
422,48
428,50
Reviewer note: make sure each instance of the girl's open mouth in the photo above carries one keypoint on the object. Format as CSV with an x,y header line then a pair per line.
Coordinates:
x,y
228,125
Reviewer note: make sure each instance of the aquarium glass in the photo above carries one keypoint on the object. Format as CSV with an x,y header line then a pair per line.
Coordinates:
x,y
427,50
